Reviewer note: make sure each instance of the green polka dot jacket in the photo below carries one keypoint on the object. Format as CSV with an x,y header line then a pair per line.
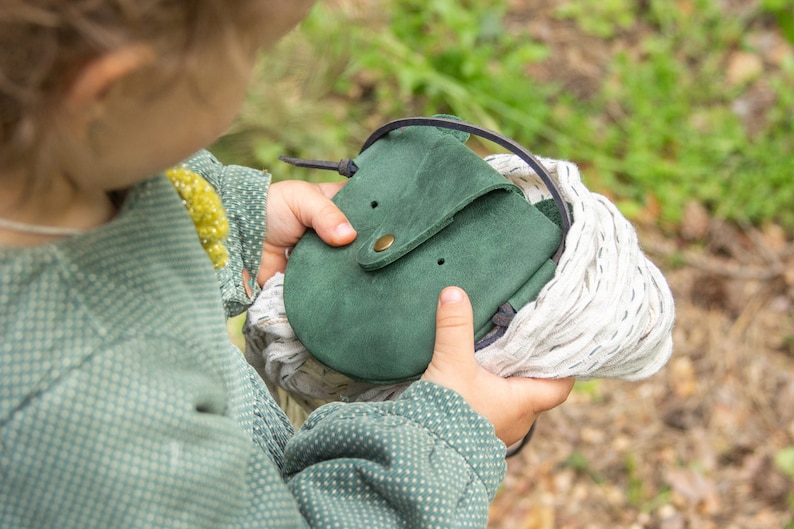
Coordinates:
x,y
123,404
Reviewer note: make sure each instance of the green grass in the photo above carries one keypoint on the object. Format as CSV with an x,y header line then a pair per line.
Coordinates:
x,y
663,128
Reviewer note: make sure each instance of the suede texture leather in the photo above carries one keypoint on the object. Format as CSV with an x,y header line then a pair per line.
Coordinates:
x,y
455,221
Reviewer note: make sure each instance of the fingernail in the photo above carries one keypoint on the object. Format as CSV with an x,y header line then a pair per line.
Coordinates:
x,y
451,295
344,230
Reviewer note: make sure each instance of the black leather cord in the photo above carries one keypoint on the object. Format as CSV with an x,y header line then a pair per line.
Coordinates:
x,y
513,450
347,168
496,138
344,167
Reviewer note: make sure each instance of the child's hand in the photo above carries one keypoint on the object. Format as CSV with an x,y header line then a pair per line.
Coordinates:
x,y
511,404
292,206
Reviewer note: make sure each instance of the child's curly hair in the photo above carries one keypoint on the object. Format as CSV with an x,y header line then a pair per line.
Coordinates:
x,y
43,43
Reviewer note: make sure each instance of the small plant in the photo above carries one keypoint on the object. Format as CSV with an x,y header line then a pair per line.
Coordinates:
x,y
591,388
635,486
784,460
783,11
578,462
602,18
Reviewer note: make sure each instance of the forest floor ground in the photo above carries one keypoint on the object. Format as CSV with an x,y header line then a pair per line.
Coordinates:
x,y
705,442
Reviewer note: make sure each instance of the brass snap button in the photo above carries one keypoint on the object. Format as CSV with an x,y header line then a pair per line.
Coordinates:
x,y
384,243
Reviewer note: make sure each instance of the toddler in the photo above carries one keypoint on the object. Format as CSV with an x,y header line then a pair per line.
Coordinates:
x,y
122,402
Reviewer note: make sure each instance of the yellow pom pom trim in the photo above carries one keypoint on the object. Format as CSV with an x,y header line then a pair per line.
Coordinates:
x,y
206,210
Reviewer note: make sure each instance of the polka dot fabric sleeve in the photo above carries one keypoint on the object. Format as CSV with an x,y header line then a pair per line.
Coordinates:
x,y
123,404
243,192
424,460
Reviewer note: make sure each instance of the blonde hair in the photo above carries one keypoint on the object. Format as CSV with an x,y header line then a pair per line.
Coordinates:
x,y
43,44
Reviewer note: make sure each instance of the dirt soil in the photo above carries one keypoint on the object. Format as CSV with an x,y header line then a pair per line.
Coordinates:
x,y
695,445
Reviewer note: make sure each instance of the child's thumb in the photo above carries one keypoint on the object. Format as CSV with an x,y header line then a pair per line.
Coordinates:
x,y
453,354
318,211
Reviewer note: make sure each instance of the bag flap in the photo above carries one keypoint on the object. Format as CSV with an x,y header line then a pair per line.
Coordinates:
x,y
412,187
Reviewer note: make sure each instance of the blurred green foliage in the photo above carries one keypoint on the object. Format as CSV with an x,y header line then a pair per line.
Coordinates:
x,y
666,126
783,11
784,460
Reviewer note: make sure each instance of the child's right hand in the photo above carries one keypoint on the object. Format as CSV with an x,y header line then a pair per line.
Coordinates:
x,y
292,207
511,404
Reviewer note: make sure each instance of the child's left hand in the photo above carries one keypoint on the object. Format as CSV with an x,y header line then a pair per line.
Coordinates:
x,y
510,404
293,206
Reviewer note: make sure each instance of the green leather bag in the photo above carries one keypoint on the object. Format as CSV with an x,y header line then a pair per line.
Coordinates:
x,y
429,213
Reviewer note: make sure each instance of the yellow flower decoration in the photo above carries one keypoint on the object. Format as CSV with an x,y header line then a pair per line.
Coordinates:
x,y
206,210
